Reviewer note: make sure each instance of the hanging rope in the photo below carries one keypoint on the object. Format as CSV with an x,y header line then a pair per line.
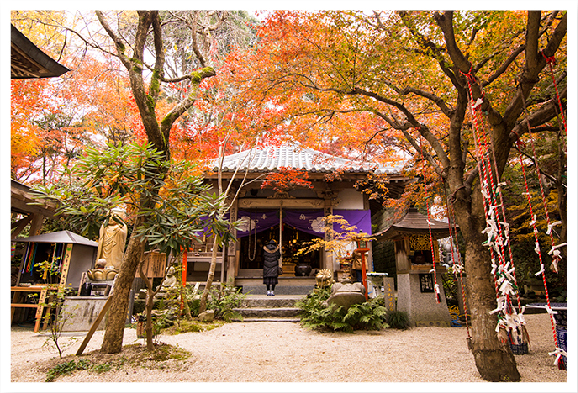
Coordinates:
x,y
433,257
483,183
460,268
551,61
504,223
539,252
510,324
556,256
457,268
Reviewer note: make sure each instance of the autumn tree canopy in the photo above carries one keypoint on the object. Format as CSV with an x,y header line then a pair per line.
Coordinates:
x,y
452,95
448,92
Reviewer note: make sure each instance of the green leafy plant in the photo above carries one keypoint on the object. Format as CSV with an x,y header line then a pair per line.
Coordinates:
x,y
397,319
316,314
224,300
66,368
57,320
101,368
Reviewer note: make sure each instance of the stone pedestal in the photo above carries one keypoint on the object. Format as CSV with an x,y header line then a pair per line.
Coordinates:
x,y
81,312
421,307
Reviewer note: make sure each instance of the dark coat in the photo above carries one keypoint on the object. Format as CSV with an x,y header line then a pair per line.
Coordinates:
x,y
271,255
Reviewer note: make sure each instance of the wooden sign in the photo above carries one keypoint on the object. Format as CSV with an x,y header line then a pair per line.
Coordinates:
x,y
65,266
389,293
426,283
154,264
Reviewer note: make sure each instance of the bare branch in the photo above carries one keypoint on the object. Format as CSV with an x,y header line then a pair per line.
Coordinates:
x,y
430,96
505,65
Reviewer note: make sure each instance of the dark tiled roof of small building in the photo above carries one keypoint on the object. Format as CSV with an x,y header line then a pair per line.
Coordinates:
x,y
273,158
415,222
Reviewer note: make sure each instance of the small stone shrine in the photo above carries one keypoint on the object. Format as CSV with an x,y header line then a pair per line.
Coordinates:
x,y
414,265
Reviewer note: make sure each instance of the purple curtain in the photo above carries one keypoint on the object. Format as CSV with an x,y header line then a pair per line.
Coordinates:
x,y
309,221
257,221
360,218
304,220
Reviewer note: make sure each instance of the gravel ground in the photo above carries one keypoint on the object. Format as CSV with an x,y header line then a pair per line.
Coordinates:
x,y
286,352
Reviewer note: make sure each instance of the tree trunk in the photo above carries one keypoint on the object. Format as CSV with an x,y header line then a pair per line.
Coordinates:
x,y
114,333
149,323
494,360
488,350
210,277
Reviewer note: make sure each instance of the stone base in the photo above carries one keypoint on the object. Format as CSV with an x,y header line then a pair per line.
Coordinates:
x,y
81,312
421,307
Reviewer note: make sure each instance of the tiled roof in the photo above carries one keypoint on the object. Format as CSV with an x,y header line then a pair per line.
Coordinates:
x,y
292,156
415,222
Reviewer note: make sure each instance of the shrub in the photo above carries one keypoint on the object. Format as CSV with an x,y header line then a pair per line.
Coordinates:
x,y
397,319
224,301
316,314
66,368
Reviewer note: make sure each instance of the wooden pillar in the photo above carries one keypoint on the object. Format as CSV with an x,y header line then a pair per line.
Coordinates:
x,y
281,234
232,258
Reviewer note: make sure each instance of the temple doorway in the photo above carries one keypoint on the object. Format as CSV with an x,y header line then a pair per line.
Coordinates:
x,y
251,248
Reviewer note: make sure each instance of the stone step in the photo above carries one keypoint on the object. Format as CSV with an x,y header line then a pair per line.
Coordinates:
x,y
263,301
286,286
266,312
279,289
262,308
268,319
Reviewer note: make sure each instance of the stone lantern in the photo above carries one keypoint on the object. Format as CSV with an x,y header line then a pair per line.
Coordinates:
x,y
414,265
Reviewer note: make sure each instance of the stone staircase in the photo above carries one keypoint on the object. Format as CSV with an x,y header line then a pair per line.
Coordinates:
x,y
263,308
288,285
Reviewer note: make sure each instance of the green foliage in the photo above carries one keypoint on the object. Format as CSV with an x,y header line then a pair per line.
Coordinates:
x,y
101,368
451,289
397,319
161,357
224,300
57,320
66,368
316,314
174,204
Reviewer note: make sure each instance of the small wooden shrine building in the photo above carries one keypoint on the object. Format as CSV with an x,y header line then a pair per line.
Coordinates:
x,y
291,215
414,265
51,261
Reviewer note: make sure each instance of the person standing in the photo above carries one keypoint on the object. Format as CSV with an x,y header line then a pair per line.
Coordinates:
x,y
271,255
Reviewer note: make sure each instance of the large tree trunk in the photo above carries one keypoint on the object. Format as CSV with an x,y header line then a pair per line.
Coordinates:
x,y
494,360
114,333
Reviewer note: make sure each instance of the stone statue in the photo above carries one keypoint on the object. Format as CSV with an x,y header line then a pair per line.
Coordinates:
x,y
111,243
170,281
169,284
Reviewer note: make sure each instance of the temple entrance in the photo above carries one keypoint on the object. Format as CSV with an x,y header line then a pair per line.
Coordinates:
x,y
251,249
